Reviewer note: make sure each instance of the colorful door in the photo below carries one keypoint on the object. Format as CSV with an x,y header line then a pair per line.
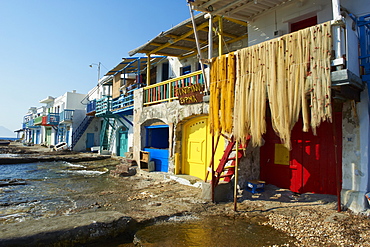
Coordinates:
x,y
48,136
90,140
311,165
122,146
38,134
197,148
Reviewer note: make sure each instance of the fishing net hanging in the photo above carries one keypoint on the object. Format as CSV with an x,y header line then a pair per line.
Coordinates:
x,y
287,71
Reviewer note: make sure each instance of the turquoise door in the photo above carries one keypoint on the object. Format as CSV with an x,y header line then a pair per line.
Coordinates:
x,y
122,146
89,140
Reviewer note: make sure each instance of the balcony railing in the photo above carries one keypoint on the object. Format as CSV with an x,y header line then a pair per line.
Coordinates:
x,y
37,120
66,116
126,100
167,90
103,106
50,119
91,107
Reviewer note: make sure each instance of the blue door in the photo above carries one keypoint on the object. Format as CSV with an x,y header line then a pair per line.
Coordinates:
x,y
89,140
38,134
122,146
157,144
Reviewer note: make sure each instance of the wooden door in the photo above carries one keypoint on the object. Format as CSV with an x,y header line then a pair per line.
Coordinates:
x,y
311,165
122,142
197,147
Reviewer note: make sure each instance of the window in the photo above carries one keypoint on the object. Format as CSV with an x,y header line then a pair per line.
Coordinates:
x,y
186,70
309,22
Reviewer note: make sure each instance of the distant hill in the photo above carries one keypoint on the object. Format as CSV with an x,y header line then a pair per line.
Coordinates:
x,y
4,132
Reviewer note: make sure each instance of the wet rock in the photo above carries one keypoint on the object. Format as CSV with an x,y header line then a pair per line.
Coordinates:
x,y
9,182
124,169
67,230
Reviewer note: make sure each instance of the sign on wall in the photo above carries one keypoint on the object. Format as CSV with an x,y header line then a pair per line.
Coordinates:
x,y
190,94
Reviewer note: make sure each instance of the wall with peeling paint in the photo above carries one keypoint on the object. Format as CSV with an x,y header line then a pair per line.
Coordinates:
x,y
355,161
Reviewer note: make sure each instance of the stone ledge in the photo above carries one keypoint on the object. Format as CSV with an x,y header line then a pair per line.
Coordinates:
x,y
65,230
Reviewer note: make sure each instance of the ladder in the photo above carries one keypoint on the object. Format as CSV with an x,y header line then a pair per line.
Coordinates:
x,y
227,171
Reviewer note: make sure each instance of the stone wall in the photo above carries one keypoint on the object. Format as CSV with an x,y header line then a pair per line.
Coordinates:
x,y
355,160
175,115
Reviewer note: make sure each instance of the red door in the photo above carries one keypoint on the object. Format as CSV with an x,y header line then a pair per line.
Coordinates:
x,y
311,165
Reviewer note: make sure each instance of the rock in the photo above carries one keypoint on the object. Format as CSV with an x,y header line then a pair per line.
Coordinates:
x,y
65,230
335,217
15,181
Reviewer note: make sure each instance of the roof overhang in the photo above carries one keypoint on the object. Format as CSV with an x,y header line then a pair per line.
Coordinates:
x,y
133,65
179,41
244,10
49,99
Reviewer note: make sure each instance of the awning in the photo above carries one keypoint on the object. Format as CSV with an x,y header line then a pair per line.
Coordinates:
x,y
179,41
244,10
133,65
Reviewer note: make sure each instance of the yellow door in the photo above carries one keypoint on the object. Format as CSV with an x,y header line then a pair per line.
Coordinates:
x,y
197,147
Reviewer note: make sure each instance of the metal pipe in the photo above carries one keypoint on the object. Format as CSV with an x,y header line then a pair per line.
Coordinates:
x,y
210,36
213,169
198,45
220,31
337,34
336,10
236,176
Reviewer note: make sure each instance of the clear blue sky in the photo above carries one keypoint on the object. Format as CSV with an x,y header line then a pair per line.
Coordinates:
x,y
46,46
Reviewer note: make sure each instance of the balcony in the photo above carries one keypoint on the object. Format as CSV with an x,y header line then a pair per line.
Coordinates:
x,y
169,90
26,121
125,103
66,116
51,119
37,121
91,108
103,106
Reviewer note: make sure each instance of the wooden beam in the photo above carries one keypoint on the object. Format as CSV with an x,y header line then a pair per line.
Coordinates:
x,y
179,38
187,39
148,70
241,23
225,34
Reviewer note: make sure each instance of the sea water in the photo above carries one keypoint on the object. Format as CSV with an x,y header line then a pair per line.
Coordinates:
x,y
47,190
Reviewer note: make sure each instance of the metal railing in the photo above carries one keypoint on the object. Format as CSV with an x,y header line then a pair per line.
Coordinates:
x,y
125,100
103,106
91,106
50,119
66,116
167,90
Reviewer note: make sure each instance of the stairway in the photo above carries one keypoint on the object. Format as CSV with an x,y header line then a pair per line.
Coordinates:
x,y
107,133
226,172
76,135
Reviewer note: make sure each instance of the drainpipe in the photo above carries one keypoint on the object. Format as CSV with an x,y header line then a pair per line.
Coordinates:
x,y
337,35
210,36
220,34
198,46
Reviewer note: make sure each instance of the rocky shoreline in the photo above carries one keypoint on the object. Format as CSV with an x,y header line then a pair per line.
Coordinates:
x,y
147,197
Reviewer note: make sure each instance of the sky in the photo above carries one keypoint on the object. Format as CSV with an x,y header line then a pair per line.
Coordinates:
x,y
46,46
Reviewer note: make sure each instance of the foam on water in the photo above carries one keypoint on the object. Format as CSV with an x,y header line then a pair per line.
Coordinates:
x,y
73,165
86,172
